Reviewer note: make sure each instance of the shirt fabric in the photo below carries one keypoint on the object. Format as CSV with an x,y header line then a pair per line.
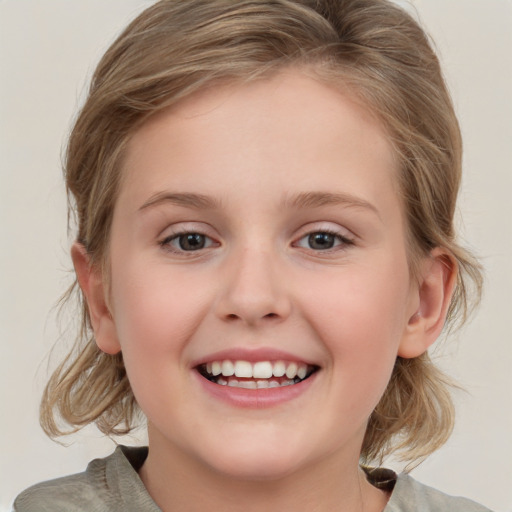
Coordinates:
x,y
112,484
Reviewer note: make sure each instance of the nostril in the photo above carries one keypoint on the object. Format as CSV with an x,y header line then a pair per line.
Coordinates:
x,y
233,316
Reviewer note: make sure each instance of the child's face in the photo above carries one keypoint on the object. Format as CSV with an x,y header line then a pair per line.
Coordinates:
x,y
260,223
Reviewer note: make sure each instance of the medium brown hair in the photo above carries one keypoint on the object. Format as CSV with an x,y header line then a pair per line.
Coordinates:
x,y
370,48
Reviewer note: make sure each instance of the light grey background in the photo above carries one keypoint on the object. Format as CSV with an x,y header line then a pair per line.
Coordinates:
x,y
47,51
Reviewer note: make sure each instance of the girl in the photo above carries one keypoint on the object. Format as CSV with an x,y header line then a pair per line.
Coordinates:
x,y
265,195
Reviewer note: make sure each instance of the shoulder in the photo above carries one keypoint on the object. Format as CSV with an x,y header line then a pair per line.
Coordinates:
x,y
409,494
58,495
100,488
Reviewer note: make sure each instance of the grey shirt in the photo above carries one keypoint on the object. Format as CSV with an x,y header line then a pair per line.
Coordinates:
x,y
113,484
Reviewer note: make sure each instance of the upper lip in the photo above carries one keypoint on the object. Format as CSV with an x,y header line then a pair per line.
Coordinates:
x,y
252,356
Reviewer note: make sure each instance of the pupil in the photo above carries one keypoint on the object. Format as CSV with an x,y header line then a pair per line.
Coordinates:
x,y
321,241
192,242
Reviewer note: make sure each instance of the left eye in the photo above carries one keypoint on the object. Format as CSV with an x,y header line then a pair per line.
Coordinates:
x,y
322,241
187,242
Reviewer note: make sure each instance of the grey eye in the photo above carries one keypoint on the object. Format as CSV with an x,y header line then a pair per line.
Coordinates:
x,y
187,242
191,241
321,241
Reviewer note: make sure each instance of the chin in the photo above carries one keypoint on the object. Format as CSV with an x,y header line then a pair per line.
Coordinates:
x,y
261,470
246,460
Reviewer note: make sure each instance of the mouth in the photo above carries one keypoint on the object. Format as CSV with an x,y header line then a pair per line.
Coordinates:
x,y
256,375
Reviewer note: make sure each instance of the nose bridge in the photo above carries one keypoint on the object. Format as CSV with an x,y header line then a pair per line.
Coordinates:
x,y
254,289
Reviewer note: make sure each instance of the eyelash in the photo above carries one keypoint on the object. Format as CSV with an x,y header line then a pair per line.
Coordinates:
x,y
166,243
341,242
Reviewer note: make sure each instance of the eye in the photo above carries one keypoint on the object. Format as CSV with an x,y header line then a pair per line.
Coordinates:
x,y
322,241
187,242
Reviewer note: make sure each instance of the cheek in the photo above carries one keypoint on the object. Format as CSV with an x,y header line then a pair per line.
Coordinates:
x,y
360,315
155,310
155,317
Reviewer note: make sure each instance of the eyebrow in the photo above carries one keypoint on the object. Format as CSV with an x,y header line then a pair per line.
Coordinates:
x,y
189,200
319,199
298,201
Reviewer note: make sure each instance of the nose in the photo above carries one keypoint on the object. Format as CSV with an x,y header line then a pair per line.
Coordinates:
x,y
254,291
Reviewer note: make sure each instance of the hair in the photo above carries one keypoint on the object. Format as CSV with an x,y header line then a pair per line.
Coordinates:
x,y
371,49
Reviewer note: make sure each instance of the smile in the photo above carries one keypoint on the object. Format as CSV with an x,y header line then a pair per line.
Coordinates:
x,y
255,375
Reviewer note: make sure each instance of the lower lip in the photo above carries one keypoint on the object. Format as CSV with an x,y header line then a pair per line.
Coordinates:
x,y
256,398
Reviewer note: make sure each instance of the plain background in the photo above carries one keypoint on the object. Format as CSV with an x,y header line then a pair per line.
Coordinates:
x,y
49,48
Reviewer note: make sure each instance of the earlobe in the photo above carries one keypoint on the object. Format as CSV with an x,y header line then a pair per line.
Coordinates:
x,y
93,289
434,293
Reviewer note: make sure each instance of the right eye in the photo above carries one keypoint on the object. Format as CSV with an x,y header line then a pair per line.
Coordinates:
x,y
324,241
187,242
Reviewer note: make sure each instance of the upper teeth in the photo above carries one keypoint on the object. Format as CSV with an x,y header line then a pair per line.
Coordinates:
x,y
258,370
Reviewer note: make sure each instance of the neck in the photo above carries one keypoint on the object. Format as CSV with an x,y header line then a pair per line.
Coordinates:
x,y
177,482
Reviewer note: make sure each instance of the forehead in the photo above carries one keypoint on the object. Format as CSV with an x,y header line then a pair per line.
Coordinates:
x,y
260,134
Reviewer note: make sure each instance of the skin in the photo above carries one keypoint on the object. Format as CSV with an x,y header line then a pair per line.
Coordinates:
x,y
253,150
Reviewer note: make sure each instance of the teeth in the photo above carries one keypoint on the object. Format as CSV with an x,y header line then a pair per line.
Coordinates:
x,y
260,371
291,371
228,368
216,368
243,369
279,369
247,384
253,384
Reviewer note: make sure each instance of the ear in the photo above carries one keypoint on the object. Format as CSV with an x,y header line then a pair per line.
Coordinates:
x,y
91,282
432,300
